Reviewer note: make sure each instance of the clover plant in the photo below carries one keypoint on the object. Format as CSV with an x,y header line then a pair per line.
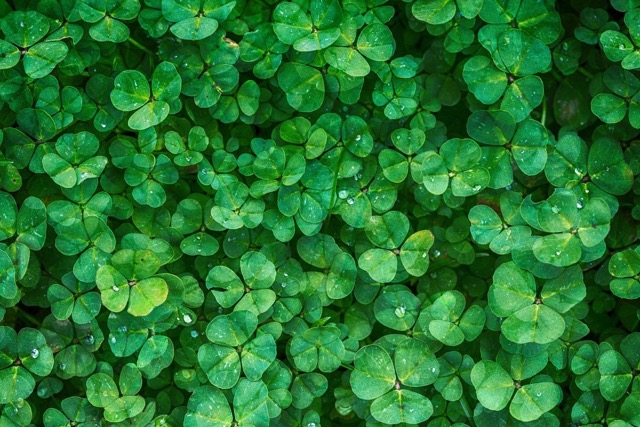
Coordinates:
x,y
251,213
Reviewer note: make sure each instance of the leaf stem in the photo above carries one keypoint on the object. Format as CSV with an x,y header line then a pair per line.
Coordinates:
x,y
466,408
139,45
333,193
585,73
32,319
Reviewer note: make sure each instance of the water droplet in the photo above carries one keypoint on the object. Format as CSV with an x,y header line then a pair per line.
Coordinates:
x,y
433,369
555,209
62,366
358,177
424,255
621,46
112,339
89,339
607,169
351,200
103,125
188,159
508,187
343,194
580,204
35,353
577,171
283,284
539,394
194,334
114,288
436,253
122,329
311,425
286,274
358,137
400,311
477,188
558,253
565,46
42,392
187,318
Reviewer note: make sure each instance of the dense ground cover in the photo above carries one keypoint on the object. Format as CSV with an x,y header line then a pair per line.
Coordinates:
x,y
319,212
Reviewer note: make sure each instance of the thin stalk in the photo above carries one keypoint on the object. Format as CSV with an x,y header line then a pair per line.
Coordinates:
x,y
139,46
32,319
585,73
334,191
466,408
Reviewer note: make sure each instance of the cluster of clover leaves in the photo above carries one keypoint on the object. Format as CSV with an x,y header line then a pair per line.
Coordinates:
x,y
319,212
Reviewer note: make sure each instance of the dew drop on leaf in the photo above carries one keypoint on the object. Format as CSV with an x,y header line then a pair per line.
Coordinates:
x,y
35,353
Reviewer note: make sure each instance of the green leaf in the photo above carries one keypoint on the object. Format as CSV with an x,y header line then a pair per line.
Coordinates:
x,y
532,401
149,115
221,364
131,91
147,294
535,323
414,252
196,28
199,412
303,85
494,387
415,363
233,329
402,406
485,81
376,42
522,54
434,12
373,375
513,289
615,375
381,264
